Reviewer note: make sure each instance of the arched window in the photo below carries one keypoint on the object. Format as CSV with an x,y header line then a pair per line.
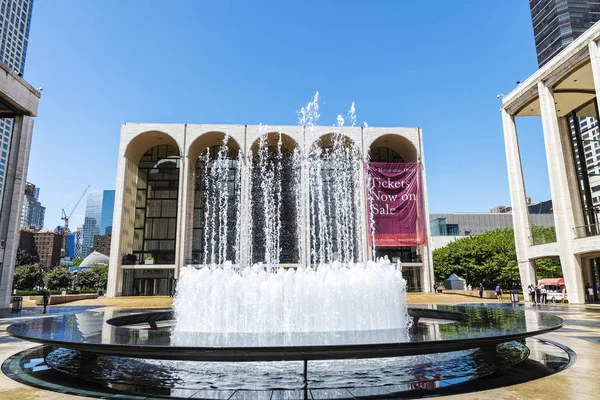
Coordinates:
x,y
216,197
277,200
155,228
384,154
335,199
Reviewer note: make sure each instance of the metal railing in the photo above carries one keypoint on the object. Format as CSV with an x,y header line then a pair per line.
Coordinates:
x,y
586,231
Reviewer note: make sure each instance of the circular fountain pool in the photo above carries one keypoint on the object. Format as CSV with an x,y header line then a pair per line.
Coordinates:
x,y
139,353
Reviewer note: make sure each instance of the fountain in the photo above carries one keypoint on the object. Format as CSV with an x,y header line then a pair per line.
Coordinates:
x,y
283,274
331,286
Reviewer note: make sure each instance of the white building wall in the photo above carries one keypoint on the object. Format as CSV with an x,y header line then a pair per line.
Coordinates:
x,y
138,138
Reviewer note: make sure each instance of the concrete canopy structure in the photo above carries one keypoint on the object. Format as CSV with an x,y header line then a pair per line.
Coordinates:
x,y
19,101
95,258
178,146
564,93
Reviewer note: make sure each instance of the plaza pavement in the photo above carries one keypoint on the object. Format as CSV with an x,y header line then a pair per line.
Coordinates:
x,y
581,333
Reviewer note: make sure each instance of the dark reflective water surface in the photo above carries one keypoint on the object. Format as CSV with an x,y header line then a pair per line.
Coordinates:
x,y
452,366
91,328
68,371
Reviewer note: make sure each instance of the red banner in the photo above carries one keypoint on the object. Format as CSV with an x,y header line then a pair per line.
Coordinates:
x,y
395,199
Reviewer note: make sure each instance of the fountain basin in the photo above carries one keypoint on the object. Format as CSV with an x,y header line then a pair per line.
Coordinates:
x,y
466,327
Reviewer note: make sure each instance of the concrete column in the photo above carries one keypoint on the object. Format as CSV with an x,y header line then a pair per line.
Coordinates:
x,y
185,223
564,220
429,276
12,202
571,172
114,263
595,64
518,199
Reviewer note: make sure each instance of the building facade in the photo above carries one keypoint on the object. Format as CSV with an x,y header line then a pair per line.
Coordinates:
x,y
98,217
466,224
446,228
78,243
564,94
15,20
106,217
102,244
557,23
46,246
33,213
158,214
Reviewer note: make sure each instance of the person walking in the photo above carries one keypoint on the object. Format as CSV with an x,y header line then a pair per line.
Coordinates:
x,y
538,294
589,291
498,293
481,290
544,293
46,298
531,294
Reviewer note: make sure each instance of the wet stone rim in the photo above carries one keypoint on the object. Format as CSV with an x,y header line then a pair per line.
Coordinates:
x,y
469,334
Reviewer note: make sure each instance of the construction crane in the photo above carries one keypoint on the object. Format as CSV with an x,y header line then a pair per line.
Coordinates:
x,y
66,217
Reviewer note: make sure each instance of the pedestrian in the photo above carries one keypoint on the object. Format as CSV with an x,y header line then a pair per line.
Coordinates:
x,y
544,293
435,286
46,298
589,293
481,290
538,294
531,294
498,293
469,288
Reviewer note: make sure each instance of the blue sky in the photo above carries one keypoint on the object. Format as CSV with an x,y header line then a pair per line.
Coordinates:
x,y
437,65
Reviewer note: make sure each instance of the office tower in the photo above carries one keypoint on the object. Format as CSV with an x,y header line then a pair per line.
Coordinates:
x,y
98,217
556,23
15,19
108,205
32,214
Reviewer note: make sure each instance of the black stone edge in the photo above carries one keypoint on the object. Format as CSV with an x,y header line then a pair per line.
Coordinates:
x,y
290,353
11,368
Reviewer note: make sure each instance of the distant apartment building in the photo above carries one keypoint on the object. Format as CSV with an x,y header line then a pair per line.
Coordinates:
x,y
47,246
102,244
33,213
78,243
98,217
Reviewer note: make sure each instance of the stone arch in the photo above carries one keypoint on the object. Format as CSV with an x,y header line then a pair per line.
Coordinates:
x,y
327,141
287,142
140,144
394,146
210,139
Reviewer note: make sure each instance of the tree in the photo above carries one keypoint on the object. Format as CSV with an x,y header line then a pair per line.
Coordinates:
x,y
102,272
27,277
490,258
76,262
58,278
86,279
93,278
26,258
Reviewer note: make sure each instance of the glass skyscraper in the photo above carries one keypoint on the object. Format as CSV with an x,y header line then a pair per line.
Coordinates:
x,y
108,205
556,23
15,19
98,217
32,214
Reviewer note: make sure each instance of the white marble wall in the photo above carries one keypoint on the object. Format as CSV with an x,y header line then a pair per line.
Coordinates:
x,y
191,139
